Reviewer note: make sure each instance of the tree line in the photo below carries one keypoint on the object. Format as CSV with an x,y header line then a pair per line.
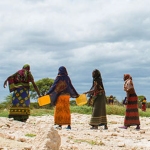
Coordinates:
x,y
44,85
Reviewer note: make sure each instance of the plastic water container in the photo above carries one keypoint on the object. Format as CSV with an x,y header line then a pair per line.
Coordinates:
x,y
44,100
81,100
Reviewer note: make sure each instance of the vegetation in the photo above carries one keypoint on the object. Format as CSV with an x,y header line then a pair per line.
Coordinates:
x,y
49,110
44,84
30,135
91,142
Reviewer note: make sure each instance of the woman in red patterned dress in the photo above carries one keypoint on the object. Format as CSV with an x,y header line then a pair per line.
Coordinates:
x,y
131,114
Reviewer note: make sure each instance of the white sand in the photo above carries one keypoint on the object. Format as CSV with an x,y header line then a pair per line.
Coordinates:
x,y
80,137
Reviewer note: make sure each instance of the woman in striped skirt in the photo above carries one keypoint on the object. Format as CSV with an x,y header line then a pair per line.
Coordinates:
x,y
131,114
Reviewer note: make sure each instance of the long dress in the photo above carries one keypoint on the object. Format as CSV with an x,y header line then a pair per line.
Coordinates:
x,y
62,115
144,104
99,105
20,109
99,111
131,114
19,86
60,93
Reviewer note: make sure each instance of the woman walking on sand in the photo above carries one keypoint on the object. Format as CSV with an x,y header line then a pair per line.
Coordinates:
x,y
60,93
132,114
97,94
19,85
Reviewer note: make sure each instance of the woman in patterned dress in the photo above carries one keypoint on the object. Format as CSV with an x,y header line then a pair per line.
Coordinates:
x,y
19,86
97,94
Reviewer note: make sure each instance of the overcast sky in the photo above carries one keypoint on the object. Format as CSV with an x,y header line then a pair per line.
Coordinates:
x,y
82,35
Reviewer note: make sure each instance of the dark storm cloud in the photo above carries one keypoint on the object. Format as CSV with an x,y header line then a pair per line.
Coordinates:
x,y
111,36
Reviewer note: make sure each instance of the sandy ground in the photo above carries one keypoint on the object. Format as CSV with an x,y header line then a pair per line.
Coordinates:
x,y
80,137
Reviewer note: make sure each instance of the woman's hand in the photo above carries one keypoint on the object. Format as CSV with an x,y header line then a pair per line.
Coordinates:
x,y
126,101
78,95
85,93
40,95
5,84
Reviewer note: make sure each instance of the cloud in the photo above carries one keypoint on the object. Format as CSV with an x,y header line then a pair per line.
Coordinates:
x,y
111,36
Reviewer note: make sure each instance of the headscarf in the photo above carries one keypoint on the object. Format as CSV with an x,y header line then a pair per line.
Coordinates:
x,y
127,76
97,78
21,78
111,96
26,67
96,74
23,74
128,84
62,71
62,84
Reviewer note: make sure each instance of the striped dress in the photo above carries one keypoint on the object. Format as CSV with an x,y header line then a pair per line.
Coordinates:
x,y
131,114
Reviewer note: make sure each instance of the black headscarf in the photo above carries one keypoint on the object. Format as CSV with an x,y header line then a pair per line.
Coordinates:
x,y
61,84
97,78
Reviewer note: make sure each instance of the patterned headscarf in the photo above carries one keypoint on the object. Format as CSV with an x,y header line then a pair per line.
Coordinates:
x,y
26,67
62,84
127,76
21,78
128,84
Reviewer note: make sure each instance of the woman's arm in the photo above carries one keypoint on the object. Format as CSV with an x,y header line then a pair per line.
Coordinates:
x,y
35,87
5,82
92,89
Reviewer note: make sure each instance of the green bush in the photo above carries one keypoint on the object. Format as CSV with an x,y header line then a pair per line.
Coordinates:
x,y
49,110
81,109
115,110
